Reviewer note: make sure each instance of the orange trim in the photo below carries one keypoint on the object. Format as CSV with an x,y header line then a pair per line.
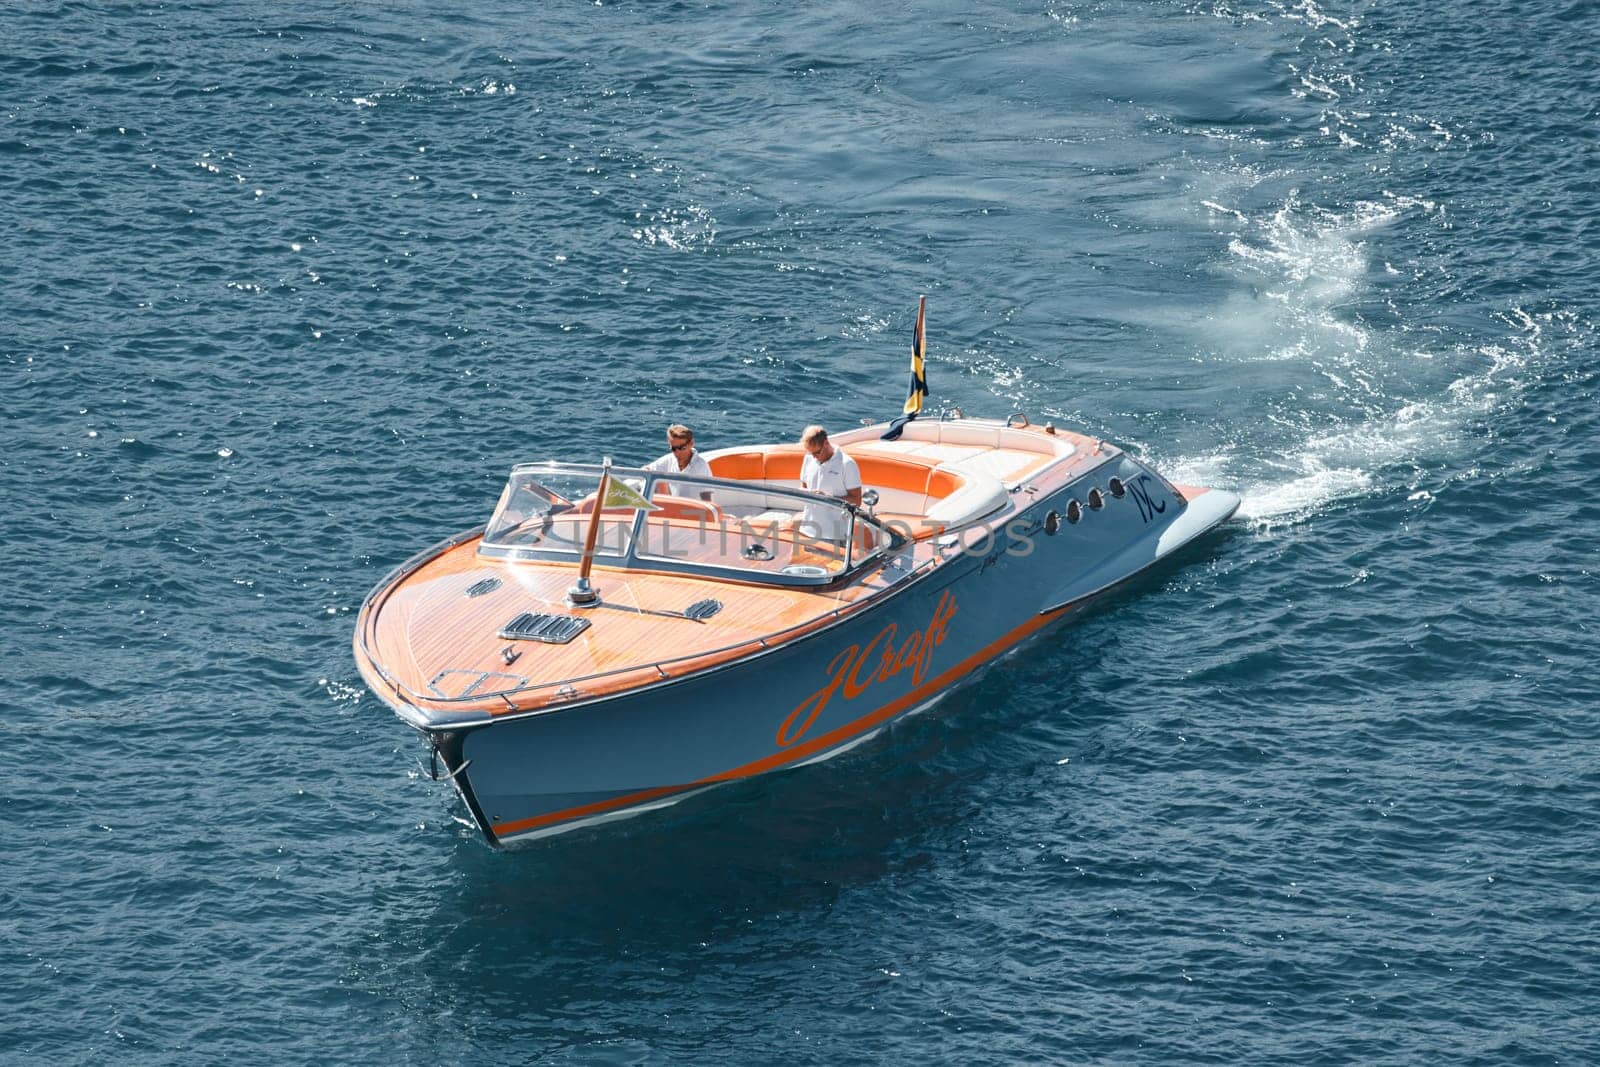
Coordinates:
x,y
800,751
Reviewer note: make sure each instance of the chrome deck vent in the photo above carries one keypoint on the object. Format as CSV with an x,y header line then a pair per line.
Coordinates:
x,y
485,585
703,609
551,629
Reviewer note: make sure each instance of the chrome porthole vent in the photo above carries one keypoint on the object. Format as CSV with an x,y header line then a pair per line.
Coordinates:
x,y
1052,523
1117,488
1074,511
1097,500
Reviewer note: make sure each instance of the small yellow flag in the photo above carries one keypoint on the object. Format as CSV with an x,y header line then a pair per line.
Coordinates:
x,y
619,494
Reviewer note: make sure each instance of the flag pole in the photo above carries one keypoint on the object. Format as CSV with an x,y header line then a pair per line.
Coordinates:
x,y
917,392
582,594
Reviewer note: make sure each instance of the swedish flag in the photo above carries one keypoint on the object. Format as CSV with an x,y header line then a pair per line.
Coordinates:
x,y
918,391
919,376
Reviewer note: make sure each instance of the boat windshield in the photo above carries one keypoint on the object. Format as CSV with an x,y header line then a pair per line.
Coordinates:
x,y
545,511
747,530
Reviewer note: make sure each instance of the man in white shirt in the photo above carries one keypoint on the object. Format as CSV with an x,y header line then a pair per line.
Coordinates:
x,y
682,457
827,471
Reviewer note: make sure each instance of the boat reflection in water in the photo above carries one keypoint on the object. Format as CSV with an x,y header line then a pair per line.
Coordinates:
x,y
616,640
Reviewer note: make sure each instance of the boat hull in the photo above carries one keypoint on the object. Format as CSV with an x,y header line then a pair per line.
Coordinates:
x,y
526,776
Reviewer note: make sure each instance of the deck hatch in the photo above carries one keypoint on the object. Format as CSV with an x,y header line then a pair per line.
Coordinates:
x,y
551,629
486,585
464,683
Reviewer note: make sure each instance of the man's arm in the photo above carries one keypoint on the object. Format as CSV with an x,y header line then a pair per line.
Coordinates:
x,y
852,482
700,467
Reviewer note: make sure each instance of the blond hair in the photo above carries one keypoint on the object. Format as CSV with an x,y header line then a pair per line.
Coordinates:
x,y
813,435
679,432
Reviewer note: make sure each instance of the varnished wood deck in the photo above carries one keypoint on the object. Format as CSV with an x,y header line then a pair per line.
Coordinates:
x,y
438,643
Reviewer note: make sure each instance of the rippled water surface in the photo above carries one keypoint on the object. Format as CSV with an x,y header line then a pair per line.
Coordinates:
x,y
286,288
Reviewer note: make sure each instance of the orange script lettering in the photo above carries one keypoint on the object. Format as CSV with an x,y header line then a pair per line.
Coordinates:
x,y
858,667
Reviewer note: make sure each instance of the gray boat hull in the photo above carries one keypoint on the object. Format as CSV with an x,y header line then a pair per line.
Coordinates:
x,y
529,775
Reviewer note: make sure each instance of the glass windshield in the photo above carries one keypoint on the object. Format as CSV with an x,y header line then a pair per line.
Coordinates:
x,y
747,530
546,512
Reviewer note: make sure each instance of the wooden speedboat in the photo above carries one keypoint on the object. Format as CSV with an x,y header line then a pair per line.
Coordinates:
x,y
720,634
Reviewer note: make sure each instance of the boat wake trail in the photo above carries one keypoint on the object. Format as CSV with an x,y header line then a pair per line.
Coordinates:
x,y
1349,386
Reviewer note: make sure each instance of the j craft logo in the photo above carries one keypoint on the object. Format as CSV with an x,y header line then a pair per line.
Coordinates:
x,y
859,667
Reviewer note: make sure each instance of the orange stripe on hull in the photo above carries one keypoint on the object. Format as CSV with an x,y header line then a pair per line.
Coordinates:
x,y
821,743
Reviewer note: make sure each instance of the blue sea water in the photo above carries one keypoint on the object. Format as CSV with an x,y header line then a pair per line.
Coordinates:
x,y
285,289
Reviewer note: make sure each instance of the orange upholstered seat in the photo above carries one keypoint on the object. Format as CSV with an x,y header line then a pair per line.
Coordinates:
x,y
784,466
740,466
943,483
677,507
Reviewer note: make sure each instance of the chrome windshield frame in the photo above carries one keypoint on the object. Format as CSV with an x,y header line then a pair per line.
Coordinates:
x,y
885,540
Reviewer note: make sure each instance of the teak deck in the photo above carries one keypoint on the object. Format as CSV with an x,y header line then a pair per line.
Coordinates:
x,y
436,641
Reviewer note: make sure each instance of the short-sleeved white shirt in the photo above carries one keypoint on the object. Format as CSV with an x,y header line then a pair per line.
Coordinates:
x,y
836,478
668,464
